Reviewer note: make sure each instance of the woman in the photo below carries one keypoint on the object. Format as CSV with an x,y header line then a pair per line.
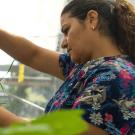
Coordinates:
x,y
98,69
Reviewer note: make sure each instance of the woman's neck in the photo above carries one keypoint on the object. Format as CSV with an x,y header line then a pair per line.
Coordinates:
x,y
105,47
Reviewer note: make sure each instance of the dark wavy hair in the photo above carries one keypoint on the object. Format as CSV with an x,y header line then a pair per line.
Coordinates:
x,y
116,19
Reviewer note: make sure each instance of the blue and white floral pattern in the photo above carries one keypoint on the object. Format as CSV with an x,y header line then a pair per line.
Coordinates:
x,y
104,88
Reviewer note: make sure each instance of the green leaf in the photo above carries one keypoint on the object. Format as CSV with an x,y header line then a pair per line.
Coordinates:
x,y
64,122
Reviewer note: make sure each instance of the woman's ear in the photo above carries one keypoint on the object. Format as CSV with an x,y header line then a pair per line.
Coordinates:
x,y
93,18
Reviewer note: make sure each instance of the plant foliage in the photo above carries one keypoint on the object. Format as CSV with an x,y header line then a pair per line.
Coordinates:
x,y
64,122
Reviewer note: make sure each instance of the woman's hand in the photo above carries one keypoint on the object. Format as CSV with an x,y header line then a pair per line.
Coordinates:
x,y
7,118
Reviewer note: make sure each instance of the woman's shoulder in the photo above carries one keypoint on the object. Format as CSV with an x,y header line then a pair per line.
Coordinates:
x,y
65,63
115,64
120,65
111,68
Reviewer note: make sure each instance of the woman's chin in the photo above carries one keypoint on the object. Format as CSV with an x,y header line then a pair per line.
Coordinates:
x,y
76,60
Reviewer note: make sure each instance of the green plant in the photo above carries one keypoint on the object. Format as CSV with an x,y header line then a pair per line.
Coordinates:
x,y
64,122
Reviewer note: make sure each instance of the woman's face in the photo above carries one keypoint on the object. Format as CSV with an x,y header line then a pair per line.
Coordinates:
x,y
78,38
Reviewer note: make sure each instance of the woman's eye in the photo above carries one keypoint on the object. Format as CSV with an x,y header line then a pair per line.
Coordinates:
x,y
65,31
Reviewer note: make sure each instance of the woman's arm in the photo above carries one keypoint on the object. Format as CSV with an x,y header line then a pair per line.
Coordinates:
x,y
28,53
7,118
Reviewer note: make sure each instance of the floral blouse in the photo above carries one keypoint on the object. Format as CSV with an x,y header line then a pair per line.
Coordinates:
x,y
104,88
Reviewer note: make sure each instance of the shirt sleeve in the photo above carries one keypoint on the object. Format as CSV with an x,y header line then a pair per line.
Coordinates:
x,y
66,64
109,102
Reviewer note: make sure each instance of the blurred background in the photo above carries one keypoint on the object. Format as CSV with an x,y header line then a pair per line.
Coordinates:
x,y
24,90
